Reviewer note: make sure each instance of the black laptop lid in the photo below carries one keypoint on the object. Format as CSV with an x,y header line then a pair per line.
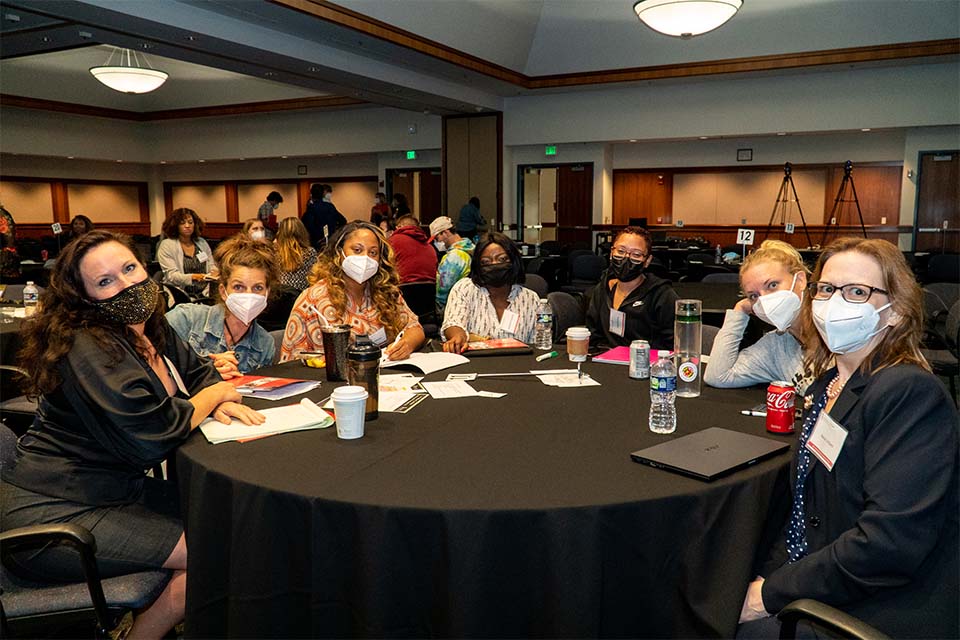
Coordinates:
x,y
710,453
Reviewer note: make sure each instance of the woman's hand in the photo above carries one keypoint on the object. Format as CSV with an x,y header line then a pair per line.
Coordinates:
x,y
229,410
456,340
744,306
399,350
753,608
206,401
226,364
197,277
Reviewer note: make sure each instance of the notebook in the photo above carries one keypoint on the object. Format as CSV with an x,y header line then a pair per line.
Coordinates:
x,y
496,347
710,454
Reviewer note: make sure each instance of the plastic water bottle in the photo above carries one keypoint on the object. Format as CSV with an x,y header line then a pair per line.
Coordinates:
x,y
687,336
718,258
31,296
543,337
663,395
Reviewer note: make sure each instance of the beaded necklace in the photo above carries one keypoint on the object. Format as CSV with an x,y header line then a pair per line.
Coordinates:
x,y
835,387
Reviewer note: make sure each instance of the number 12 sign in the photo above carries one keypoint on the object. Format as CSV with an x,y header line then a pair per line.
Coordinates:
x,y
745,236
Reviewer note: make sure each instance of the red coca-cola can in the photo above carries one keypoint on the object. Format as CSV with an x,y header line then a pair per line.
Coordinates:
x,y
780,416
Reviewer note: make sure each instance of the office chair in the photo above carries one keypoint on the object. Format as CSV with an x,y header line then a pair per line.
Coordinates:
x,y
16,409
537,283
568,312
826,617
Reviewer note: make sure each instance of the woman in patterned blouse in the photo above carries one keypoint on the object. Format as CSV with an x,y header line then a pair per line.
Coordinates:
x,y
355,283
295,256
491,303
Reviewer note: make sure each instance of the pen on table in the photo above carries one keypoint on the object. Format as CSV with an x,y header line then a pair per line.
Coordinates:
x,y
395,341
547,356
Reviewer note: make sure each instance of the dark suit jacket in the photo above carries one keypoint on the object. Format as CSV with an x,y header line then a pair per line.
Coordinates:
x,y
882,526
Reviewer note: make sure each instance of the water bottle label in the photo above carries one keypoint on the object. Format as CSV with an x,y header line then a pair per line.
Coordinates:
x,y
544,317
688,371
666,385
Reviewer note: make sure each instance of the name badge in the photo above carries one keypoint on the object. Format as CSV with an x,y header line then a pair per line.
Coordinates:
x,y
827,440
201,256
510,322
379,337
617,321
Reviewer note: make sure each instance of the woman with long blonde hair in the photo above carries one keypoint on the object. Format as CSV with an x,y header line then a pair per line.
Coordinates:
x,y
354,282
774,279
295,256
873,528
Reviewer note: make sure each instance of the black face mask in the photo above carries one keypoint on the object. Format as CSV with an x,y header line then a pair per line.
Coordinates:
x,y
624,269
496,275
133,305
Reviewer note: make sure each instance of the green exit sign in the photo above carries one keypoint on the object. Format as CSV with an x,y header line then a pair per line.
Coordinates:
x,y
550,150
411,155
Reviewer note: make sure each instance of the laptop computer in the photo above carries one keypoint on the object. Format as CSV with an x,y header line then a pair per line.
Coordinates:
x,y
710,454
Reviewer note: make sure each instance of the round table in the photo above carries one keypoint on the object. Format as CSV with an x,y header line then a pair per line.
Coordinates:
x,y
518,516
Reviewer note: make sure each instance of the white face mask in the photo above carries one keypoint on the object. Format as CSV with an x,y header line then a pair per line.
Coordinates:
x,y
779,308
246,306
327,197
440,245
359,268
846,326
257,234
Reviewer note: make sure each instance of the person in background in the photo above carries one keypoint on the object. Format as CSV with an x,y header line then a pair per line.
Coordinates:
x,y
457,253
416,259
321,217
774,280
227,332
469,220
387,226
295,256
80,225
254,229
355,283
873,528
184,256
380,210
118,392
399,206
491,303
629,304
267,214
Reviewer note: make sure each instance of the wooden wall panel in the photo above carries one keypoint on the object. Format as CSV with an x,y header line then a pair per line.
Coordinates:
x,y
105,203
642,195
878,191
456,167
208,200
251,196
27,202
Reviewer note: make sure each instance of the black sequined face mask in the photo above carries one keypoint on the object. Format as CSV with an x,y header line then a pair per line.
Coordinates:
x,y
133,305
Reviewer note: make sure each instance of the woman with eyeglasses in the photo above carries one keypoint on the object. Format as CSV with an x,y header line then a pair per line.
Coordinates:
x,y
355,282
491,302
774,279
873,524
630,304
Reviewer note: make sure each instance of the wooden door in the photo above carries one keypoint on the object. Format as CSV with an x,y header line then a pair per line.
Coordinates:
x,y
430,185
575,204
402,182
938,203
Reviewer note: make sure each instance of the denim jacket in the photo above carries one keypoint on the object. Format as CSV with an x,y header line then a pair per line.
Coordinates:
x,y
201,327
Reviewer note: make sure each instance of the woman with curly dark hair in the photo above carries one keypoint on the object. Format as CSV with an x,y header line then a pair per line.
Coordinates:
x,y
183,255
355,282
118,391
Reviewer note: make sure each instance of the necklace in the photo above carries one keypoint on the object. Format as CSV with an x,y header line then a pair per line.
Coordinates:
x,y
835,386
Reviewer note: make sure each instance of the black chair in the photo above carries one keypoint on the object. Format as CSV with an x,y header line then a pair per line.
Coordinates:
x,y
421,297
277,335
938,297
943,267
277,313
550,248
944,358
658,269
721,277
825,617
16,409
36,609
585,273
700,258
537,284
708,333
568,311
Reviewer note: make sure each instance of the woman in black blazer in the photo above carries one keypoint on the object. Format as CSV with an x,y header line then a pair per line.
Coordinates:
x,y
873,525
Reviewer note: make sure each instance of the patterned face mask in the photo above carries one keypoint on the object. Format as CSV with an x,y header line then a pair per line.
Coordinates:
x,y
133,305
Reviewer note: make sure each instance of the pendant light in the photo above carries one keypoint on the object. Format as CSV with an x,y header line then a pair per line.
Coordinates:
x,y
685,18
128,76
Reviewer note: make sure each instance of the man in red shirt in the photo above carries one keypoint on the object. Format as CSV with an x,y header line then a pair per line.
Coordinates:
x,y
416,259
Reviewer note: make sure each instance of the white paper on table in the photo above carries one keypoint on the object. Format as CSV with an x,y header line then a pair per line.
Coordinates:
x,y
569,380
400,382
295,417
449,389
490,394
397,401
428,362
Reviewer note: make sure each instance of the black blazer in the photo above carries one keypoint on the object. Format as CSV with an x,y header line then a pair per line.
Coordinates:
x,y
882,526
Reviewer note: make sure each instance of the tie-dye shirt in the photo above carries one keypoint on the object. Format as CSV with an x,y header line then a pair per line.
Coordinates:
x,y
454,266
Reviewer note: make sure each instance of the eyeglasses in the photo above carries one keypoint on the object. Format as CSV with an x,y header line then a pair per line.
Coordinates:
x,y
856,293
623,252
500,259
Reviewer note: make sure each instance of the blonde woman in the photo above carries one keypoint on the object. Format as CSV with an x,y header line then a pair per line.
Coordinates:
x,y
355,283
774,279
295,256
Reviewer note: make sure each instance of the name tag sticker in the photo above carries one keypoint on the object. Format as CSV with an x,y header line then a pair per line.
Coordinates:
x,y
379,337
617,321
510,321
827,440
201,256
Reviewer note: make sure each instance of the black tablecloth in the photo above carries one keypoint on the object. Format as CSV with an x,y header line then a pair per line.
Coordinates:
x,y
519,516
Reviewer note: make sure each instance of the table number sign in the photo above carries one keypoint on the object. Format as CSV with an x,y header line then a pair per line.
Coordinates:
x,y
745,236
788,228
57,229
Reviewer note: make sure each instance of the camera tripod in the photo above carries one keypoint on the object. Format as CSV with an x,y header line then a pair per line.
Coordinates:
x,y
782,202
834,217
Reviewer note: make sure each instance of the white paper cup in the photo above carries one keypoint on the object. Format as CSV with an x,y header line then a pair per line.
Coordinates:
x,y
578,343
349,406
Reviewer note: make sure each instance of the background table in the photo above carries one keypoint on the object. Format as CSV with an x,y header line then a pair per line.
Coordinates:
x,y
520,516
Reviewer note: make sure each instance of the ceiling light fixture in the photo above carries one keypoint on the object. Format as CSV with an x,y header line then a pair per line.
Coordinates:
x,y
129,76
685,18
